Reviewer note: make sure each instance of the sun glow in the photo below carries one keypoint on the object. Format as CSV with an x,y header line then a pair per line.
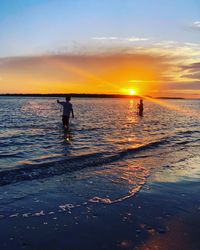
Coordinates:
x,y
132,92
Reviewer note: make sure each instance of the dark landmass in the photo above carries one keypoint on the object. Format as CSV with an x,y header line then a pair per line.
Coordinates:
x,y
88,96
163,97
74,95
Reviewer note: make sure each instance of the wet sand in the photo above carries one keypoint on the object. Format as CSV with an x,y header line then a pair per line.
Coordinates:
x,y
163,215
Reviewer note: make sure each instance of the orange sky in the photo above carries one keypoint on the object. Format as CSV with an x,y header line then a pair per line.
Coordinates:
x,y
148,73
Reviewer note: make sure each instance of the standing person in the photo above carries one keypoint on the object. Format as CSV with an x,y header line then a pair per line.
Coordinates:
x,y
67,110
140,107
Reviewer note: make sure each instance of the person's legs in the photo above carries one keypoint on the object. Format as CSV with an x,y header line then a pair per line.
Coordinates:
x,y
66,121
63,120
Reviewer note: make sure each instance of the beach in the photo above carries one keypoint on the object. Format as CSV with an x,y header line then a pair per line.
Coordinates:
x,y
163,215
120,182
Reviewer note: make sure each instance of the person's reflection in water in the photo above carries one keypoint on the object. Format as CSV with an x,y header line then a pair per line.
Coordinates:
x,y
67,137
140,107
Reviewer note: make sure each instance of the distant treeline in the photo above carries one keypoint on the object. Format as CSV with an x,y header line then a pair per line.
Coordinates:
x,y
88,96
73,95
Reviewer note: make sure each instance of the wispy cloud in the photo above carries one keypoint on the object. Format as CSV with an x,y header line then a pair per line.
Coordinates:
x,y
105,38
196,24
192,71
137,39
85,73
189,52
192,67
166,44
127,39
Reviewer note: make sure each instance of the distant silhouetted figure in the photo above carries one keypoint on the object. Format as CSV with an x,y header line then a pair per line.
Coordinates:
x,y
67,110
140,107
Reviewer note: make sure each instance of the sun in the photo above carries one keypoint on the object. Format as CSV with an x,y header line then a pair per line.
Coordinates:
x,y
132,92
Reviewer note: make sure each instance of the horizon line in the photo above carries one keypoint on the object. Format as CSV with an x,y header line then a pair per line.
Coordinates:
x,y
91,95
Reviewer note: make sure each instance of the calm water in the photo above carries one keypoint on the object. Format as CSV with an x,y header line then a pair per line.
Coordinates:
x,y
109,152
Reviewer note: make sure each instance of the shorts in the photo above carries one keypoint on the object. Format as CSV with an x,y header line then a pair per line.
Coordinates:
x,y
65,120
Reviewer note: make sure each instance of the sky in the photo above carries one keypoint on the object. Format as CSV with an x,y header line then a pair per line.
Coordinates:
x,y
107,46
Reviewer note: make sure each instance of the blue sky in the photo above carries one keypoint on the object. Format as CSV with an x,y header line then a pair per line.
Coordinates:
x,y
43,26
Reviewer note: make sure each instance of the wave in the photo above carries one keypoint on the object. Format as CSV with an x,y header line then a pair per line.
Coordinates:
x,y
44,170
187,132
131,193
11,155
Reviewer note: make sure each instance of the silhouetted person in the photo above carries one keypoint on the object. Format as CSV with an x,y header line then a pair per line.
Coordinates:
x,y
140,107
67,110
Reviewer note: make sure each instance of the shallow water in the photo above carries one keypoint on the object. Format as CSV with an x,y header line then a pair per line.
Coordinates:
x,y
107,156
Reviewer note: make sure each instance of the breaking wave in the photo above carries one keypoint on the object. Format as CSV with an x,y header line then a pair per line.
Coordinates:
x,y
44,170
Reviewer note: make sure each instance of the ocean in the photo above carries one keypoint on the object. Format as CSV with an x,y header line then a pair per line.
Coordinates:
x,y
107,156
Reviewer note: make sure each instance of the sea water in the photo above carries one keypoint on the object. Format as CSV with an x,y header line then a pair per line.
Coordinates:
x,y
106,157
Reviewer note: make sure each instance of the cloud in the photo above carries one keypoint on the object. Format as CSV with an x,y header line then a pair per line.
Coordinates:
x,y
196,24
192,67
173,48
105,38
191,71
195,76
100,73
122,39
137,39
184,86
98,64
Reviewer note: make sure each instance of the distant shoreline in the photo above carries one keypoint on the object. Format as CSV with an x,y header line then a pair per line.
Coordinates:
x,y
87,95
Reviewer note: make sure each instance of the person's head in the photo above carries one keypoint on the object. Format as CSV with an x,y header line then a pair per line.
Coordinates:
x,y
141,101
67,98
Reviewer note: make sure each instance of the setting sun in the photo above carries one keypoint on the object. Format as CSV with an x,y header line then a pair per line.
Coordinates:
x,y
132,92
